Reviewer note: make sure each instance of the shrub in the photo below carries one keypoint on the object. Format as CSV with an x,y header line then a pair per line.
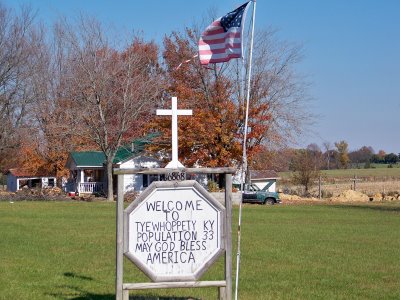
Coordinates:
x,y
130,196
394,194
326,194
3,179
212,186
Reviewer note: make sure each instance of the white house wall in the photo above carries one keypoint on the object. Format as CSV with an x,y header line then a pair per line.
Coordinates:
x,y
134,182
262,184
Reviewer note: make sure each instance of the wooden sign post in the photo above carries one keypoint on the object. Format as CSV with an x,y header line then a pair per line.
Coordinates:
x,y
174,232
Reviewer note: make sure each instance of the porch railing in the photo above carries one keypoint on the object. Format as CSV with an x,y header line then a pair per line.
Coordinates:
x,y
90,187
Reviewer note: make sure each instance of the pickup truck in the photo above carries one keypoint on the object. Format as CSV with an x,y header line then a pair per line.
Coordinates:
x,y
253,194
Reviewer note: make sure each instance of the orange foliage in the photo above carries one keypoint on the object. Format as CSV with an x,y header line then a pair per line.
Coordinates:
x,y
46,151
211,137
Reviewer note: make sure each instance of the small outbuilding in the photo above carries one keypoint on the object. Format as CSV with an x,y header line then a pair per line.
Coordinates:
x,y
19,178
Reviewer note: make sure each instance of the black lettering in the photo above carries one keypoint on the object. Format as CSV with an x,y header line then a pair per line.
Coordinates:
x,y
181,256
152,257
139,224
204,245
187,236
191,257
139,247
189,204
175,215
150,206
192,245
170,256
170,205
198,246
198,204
205,227
182,247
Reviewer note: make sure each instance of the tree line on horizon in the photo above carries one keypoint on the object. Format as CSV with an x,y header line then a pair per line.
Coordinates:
x,y
336,156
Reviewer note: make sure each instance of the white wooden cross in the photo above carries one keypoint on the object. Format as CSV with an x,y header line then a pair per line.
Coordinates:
x,y
174,112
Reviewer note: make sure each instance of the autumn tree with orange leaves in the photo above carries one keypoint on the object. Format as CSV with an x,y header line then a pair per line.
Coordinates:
x,y
209,137
213,135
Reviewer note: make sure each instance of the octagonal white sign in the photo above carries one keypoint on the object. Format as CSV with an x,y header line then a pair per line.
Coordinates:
x,y
174,231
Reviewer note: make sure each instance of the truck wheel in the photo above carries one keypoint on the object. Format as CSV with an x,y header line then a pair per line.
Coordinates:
x,y
269,201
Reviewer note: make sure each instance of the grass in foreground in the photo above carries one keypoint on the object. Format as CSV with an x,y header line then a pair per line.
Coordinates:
x,y
55,250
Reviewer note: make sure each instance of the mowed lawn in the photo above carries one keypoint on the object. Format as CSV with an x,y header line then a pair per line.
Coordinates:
x,y
66,250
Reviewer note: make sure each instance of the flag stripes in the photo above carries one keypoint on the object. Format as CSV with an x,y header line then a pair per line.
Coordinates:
x,y
222,39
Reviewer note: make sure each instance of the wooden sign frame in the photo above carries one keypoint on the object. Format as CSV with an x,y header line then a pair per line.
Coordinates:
x,y
224,286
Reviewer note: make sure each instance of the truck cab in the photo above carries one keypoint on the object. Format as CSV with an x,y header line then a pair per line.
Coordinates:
x,y
253,194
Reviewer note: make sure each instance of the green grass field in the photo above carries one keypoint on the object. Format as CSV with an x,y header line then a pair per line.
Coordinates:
x,y
66,250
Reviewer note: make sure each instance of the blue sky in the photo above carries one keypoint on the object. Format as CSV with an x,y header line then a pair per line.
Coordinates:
x,y
351,48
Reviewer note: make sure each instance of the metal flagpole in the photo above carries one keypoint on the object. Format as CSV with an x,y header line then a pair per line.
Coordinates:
x,y
244,165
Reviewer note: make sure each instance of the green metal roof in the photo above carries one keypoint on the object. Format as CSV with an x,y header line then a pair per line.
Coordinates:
x,y
141,143
136,148
88,158
97,158
122,154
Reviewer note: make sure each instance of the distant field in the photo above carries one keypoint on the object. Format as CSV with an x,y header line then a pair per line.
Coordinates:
x,y
370,181
66,250
384,166
372,173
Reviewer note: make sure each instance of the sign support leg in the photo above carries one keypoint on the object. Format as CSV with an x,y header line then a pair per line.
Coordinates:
x,y
119,242
228,239
222,293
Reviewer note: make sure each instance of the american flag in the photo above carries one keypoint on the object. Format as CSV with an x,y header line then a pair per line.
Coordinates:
x,y
222,40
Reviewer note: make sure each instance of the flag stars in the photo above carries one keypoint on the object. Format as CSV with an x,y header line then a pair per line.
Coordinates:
x,y
233,19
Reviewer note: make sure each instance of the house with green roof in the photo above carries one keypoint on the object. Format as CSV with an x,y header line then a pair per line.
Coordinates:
x,y
88,171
